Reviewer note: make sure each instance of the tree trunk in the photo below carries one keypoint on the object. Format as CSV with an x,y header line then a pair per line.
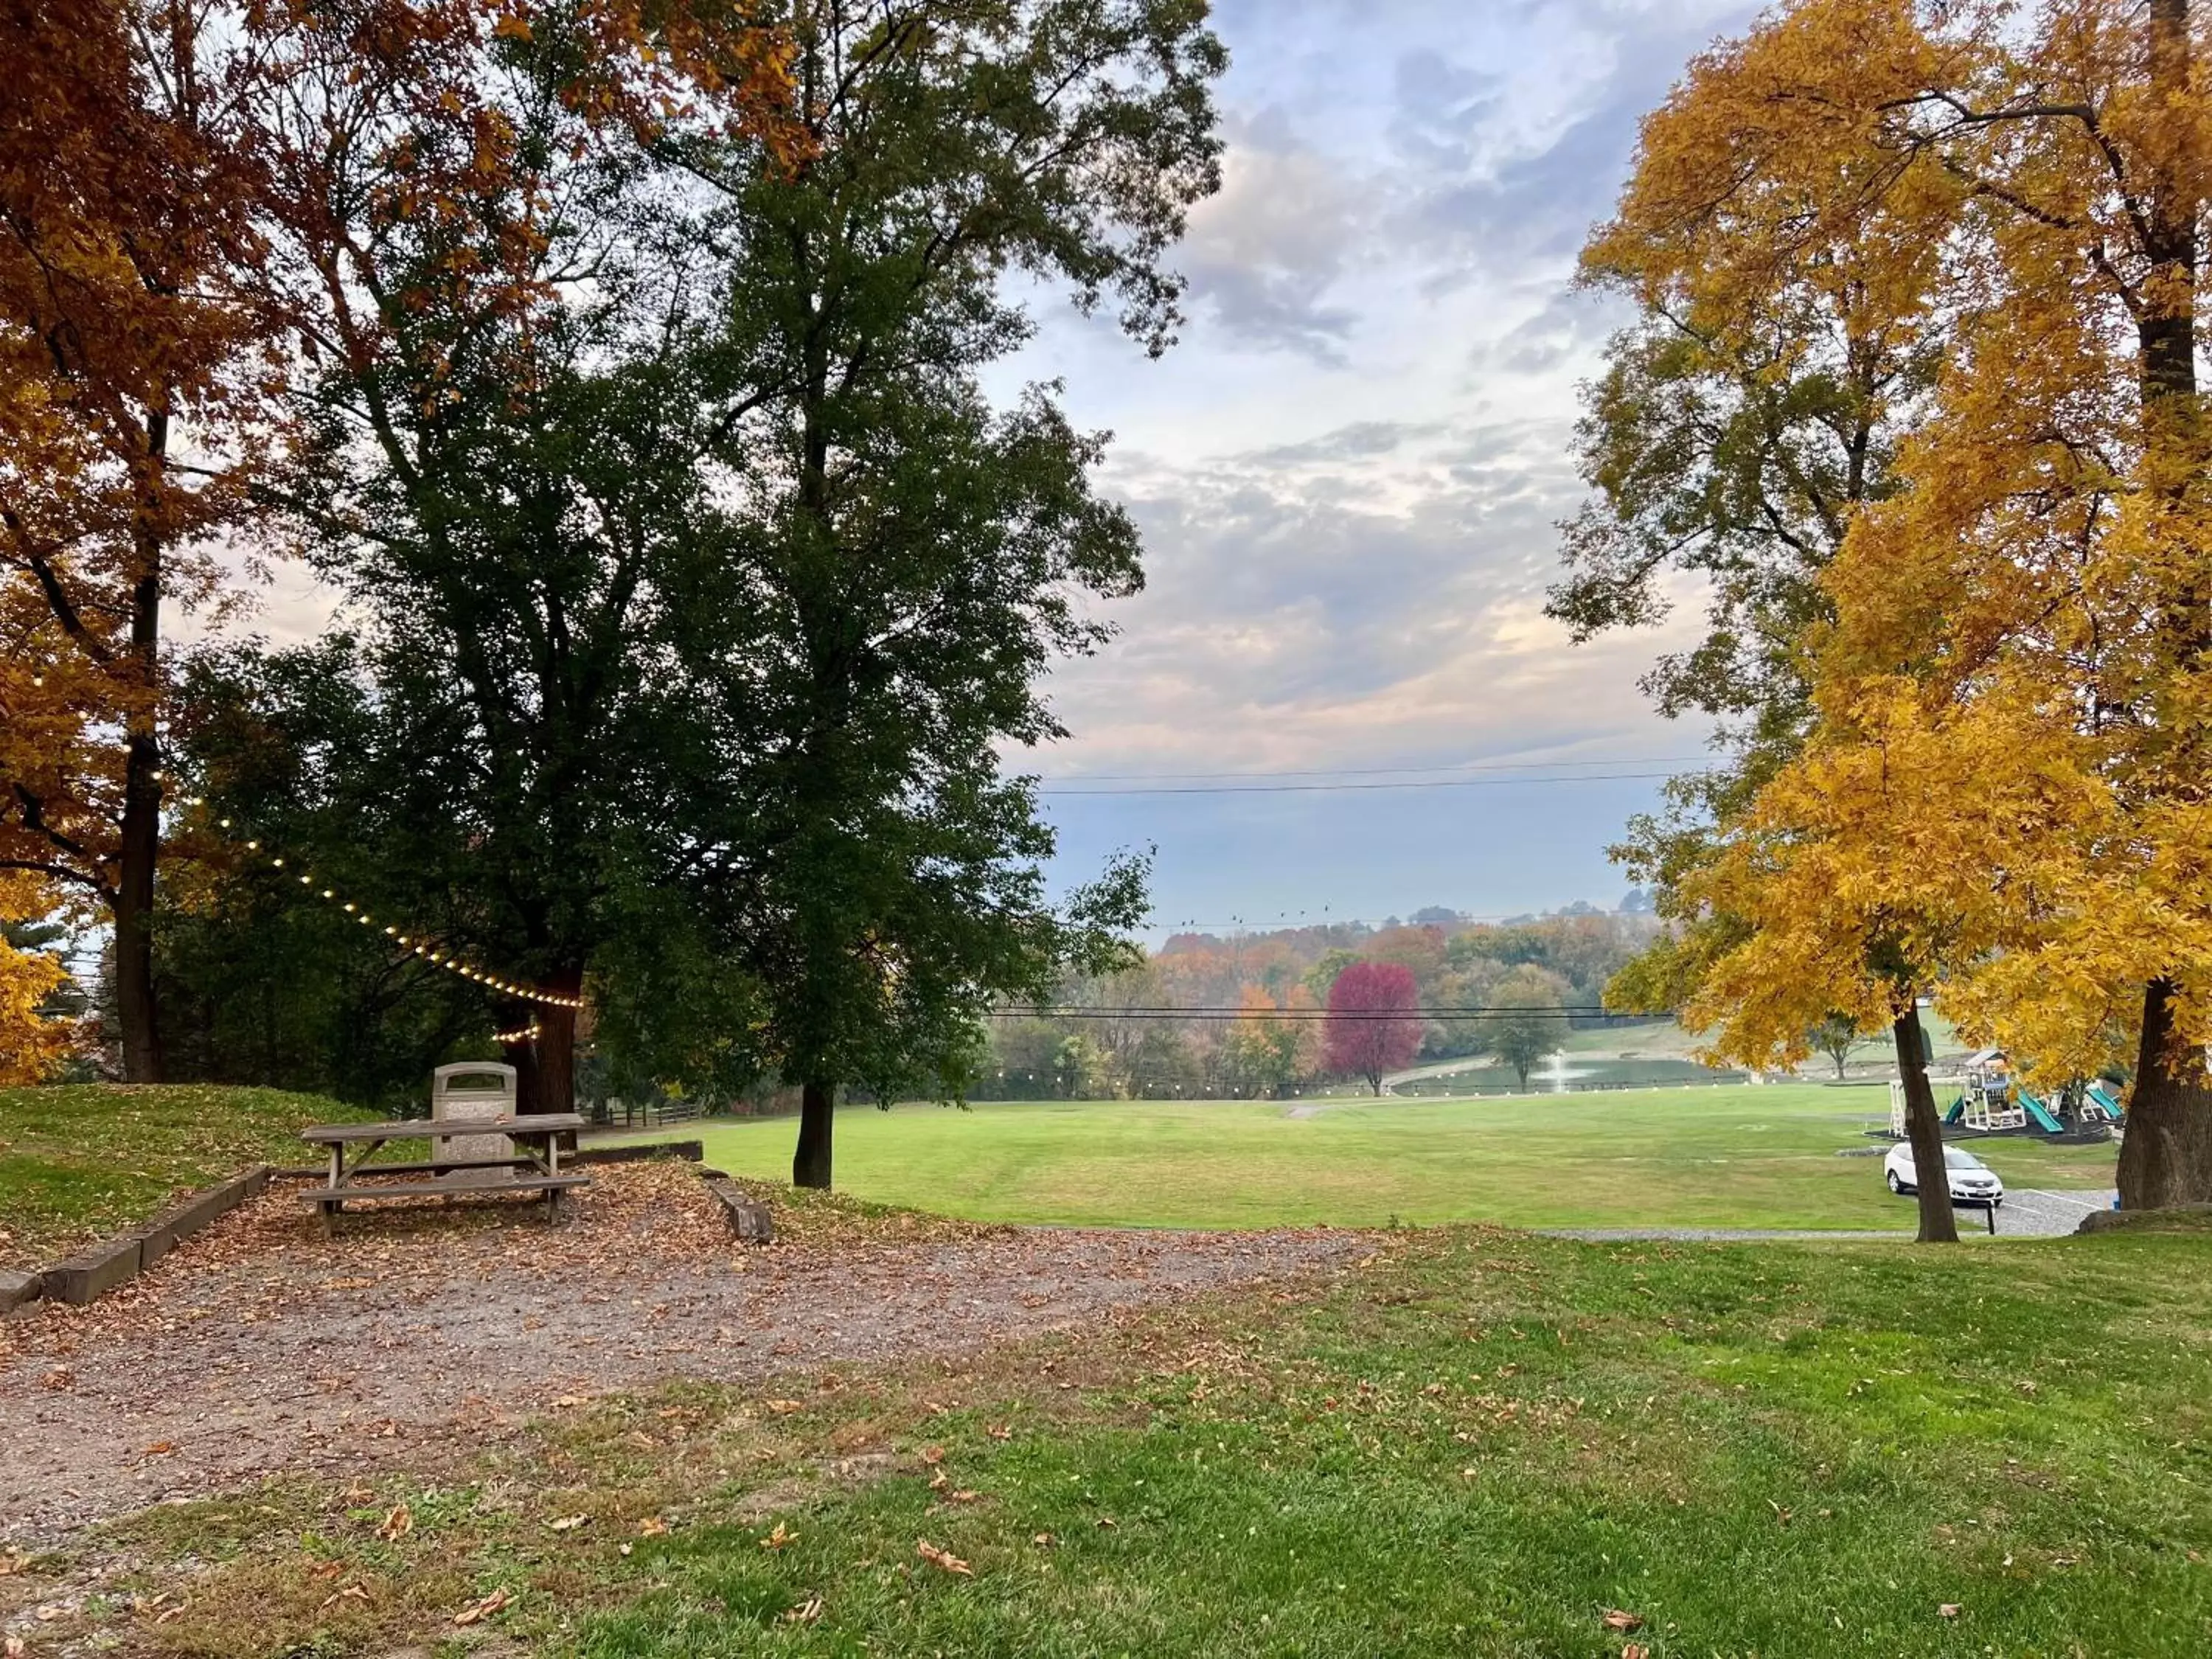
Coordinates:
x,y
1939,1224
133,909
141,843
555,1047
2165,1154
809,1165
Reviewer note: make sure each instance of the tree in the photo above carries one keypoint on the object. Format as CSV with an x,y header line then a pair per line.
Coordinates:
x,y
499,466
1374,1021
2046,548
1272,1047
32,1040
1534,1023
1835,1035
909,552
127,180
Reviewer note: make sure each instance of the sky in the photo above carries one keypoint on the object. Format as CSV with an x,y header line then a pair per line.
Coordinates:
x,y
1349,469
1348,472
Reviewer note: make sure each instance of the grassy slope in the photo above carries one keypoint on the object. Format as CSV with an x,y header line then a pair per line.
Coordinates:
x,y
1478,1445
79,1161
1763,1157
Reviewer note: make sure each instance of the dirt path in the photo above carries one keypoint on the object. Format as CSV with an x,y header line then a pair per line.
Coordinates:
x,y
259,1348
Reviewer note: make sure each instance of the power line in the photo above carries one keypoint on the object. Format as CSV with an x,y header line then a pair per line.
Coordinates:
x,y
1378,771
1225,1012
1335,788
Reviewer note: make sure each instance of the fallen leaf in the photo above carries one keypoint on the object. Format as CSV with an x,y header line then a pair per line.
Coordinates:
x,y
933,1454
1001,1432
944,1560
567,1522
483,1609
160,1449
805,1612
937,1480
16,1650
1616,1619
1635,1650
627,1548
651,1527
964,1497
777,1539
398,1524
568,1402
1107,1521
1045,1540
1949,1610
782,1407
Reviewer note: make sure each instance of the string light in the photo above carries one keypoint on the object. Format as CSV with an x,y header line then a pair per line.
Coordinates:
x,y
521,1034
451,964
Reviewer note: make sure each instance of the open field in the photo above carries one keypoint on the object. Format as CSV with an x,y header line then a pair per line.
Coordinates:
x,y
1470,1443
1707,1157
78,1161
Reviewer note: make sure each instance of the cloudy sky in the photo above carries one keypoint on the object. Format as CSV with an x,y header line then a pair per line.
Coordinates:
x,y
1348,472
1349,469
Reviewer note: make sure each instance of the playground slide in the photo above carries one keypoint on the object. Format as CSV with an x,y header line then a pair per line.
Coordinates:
x,y
2106,1098
2040,1114
1958,1112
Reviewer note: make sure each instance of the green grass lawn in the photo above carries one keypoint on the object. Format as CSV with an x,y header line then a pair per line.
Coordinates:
x,y
1482,1444
1705,1156
79,1161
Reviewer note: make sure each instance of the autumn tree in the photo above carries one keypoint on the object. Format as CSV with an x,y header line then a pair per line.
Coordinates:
x,y
1274,1045
2040,570
1530,1021
1374,1025
911,550
33,1040
130,393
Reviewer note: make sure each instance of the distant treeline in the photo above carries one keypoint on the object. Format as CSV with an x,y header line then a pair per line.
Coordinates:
x,y
1096,1050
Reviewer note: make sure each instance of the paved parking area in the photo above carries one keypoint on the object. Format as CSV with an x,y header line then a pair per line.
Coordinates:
x,y
2032,1212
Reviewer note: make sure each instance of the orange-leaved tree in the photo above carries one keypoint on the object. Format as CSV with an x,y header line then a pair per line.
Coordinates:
x,y
1747,415
31,1042
2042,569
127,398
1859,878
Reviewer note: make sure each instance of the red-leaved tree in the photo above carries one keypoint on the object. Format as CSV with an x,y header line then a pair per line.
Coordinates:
x,y
1374,1020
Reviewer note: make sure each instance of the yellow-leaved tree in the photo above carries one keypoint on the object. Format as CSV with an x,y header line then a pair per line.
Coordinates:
x,y
2009,772
30,1043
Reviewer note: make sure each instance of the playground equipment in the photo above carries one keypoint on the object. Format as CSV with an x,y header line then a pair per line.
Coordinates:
x,y
1985,1099
1991,1101
2100,1105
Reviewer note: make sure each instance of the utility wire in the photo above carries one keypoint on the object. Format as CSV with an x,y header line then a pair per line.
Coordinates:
x,y
1377,771
1226,1012
1337,788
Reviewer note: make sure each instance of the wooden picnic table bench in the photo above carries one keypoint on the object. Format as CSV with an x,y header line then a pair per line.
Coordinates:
x,y
534,1168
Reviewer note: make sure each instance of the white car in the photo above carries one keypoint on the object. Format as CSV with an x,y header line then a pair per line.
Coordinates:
x,y
1972,1181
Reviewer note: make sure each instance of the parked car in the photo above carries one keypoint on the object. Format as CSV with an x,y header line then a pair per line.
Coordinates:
x,y
1972,1181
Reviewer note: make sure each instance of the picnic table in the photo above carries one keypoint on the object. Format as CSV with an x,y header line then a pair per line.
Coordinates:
x,y
533,1167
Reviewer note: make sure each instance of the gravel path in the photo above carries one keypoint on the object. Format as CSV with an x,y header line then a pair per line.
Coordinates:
x,y
259,1347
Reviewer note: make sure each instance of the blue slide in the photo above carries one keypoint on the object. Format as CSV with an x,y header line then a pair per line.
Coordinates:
x,y
1957,1111
2041,1114
2105,1098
